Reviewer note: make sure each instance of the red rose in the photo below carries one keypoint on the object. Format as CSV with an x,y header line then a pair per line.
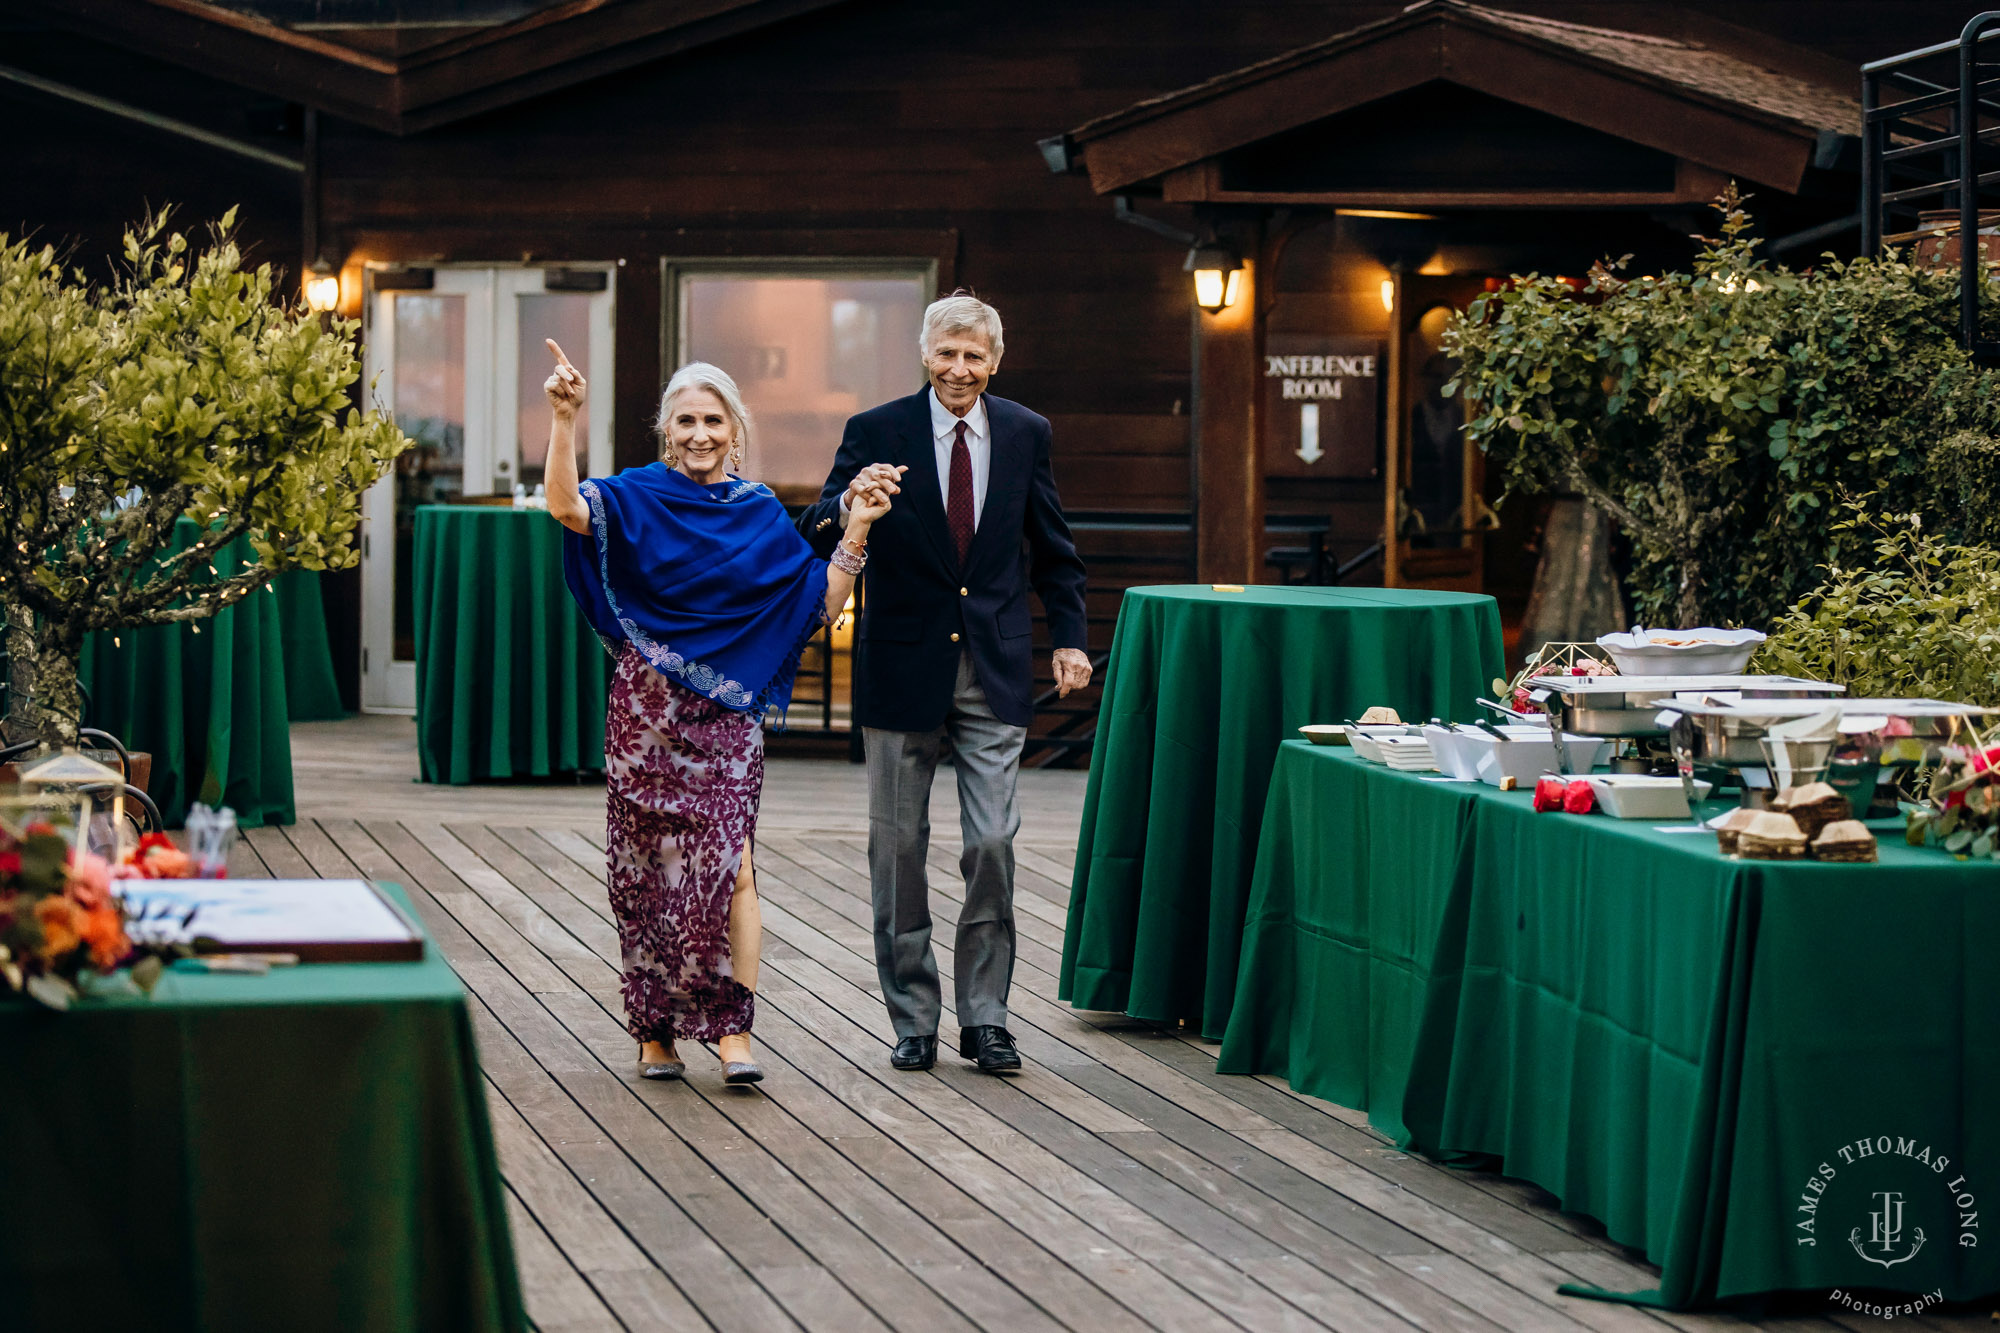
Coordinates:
x,y
1578,798
1548,793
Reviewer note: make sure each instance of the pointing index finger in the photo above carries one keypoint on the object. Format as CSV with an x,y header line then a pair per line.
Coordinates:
x,y
553,347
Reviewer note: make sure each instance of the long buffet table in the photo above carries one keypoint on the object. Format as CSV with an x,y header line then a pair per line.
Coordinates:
x,y
1675,1042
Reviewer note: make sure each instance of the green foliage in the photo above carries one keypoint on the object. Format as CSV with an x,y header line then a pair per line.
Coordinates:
x,y
1717,414
180,387
1965,481
1922,621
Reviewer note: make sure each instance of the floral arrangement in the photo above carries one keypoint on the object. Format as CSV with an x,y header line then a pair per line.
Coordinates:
x,y
60,918
1551,659
1961,813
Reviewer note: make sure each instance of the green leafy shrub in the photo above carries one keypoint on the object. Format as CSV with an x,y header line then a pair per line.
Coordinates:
x,y
1716,414
1922,622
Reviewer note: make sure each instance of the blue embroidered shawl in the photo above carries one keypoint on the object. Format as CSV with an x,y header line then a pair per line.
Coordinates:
x,y
712,583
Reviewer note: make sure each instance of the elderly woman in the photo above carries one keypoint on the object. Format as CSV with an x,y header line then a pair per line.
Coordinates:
x,y
705,594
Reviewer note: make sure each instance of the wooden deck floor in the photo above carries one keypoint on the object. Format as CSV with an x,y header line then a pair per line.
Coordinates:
x,y
1117,1184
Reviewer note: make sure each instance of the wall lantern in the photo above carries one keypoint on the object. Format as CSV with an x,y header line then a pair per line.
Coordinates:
x,y
1389,294
1218,273
322,288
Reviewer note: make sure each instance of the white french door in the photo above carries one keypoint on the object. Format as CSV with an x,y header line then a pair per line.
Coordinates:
x,y
456,355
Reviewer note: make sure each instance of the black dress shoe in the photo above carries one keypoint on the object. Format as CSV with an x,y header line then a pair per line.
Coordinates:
x,y
914,1053
991,1046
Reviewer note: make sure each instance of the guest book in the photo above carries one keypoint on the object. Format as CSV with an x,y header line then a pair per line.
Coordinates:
x,y
320,920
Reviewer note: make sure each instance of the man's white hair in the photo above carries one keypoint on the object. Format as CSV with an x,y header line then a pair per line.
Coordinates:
x,y
960,313
701,375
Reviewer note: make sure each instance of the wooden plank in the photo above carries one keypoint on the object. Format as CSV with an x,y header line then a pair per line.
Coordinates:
x,y
973,1155
589,1240
244,862
280,858
661,1211
863,1236
474,916
604,1127
557,1298
320,851
872,1009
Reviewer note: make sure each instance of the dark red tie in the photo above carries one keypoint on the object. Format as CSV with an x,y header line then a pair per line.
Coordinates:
x,y
958,509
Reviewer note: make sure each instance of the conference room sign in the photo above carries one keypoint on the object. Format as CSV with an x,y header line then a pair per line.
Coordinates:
x,y
1322,406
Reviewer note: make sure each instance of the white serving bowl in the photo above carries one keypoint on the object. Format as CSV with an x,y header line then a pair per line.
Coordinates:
x,y
1528,754
1720,652
1453,758
1643,796
1366,739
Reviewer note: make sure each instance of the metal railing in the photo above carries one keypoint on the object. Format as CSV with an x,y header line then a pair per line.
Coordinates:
x,y
1922,141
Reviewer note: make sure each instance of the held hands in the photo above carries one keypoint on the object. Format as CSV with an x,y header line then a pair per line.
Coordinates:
x,y
878,477
566,387
868,495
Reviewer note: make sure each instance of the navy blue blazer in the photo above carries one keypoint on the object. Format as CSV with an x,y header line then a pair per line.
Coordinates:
x,y
922,609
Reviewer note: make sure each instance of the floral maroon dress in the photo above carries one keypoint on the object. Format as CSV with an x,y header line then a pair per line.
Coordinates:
x,y
683,776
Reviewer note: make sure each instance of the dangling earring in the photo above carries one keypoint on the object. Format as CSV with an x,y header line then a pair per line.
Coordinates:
x,y
667,453
736,457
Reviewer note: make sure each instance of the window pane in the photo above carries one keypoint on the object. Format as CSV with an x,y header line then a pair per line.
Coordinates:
x,y
808,353
430,409
564,316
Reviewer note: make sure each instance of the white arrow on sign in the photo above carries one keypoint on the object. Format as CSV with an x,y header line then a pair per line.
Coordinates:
x,y
1309,449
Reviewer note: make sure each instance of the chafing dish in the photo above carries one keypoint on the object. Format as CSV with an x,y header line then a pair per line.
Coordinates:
x,y
1726,733
1631,705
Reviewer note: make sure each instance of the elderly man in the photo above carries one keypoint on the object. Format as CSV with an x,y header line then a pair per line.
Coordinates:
x,y
944,660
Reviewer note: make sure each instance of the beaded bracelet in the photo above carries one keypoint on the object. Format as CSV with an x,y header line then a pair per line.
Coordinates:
x,y
847,559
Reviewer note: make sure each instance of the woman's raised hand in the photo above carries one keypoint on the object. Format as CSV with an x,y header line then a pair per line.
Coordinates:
x,y
566,387
869,505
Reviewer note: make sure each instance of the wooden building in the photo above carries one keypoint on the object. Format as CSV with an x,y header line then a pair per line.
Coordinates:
x,y
778,185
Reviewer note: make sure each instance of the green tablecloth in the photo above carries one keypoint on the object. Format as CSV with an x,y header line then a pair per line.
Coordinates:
x,y
305,1150
510,680
209,699
1669,1040
311,692
1200,689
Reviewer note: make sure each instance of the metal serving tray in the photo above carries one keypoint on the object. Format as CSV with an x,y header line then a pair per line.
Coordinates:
x,y
1630,705
1727,733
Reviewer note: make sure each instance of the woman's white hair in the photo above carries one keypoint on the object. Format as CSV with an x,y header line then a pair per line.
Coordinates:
x,y
961,312
701,375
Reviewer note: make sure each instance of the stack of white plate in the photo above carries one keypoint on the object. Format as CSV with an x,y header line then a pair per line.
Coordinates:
x,y
1408,753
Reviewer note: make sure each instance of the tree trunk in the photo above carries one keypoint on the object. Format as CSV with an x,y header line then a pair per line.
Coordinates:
x,y
19,723
1688,605
44,698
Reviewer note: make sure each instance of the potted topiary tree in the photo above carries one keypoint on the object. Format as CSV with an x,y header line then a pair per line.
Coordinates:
x,y
179,387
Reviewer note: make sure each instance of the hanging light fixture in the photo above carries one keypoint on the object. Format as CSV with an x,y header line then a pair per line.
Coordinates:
x,y
1218,274
322,288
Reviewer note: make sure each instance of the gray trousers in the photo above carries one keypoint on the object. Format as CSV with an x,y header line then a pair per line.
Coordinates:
x,y
986,754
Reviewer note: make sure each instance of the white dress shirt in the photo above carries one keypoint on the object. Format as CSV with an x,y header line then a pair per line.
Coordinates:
x,y
978,443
